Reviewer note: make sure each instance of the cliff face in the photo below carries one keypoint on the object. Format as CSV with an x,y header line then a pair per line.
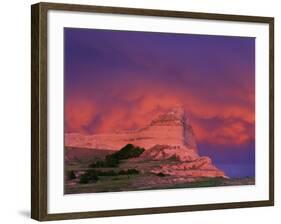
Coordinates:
x,y
172,128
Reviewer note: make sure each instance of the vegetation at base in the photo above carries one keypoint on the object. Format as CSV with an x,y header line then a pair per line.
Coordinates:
x,y
108,162
161,174
206,182
128,172
113,160
70,175
88,177
92,176
127,152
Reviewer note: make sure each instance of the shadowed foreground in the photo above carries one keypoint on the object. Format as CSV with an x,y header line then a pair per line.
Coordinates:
x,y
90,170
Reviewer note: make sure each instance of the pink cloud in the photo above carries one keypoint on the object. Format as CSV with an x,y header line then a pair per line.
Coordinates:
x,y
135,107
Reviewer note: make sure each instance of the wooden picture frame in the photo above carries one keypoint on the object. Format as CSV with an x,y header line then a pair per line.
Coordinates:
x,y
39,109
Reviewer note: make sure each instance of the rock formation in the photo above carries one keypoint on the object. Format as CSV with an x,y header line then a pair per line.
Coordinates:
x,y
171,128
169,138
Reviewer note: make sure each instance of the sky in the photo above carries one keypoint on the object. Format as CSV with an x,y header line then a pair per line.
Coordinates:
x,y
117,80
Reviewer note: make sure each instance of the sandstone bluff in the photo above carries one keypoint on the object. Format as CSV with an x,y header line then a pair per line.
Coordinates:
x,y
168,137
172,128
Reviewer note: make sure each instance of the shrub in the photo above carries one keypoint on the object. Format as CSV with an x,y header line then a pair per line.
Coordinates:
x,y
70,175
108,162
88,177
93,175
98,163
128,151
106,173
129,172
161,174
84,179
113,160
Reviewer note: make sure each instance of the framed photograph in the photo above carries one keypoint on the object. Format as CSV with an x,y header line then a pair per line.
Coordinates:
x,y
141,111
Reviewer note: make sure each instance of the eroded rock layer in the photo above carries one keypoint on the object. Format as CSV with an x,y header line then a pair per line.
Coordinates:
x,y
171,128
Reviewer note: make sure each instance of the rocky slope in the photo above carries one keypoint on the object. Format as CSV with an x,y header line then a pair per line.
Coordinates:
x,y
179,162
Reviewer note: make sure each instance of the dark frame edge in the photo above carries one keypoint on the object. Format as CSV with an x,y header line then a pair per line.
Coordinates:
x,y
39,111
271,111
35,191
154,12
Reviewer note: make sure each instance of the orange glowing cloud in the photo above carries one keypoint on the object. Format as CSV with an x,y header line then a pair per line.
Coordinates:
x,y
221,122
78,114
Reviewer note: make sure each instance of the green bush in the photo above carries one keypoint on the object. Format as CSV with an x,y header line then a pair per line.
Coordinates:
x,y
84,179
113,160
98,163
106,173
161,174
88,177
129,172
92,176
128,151
108,162
70,175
